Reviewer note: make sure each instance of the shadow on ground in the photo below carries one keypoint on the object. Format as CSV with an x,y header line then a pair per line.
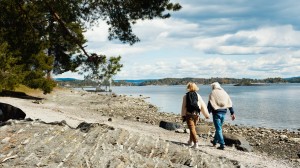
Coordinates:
x,y
15,94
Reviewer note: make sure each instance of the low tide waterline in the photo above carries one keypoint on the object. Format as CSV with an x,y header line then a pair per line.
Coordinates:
x,y
273,106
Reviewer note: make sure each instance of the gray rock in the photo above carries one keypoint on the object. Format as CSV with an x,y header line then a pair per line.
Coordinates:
x,y
180,130
203,129
121,148
8,111
85,127
5,140
296,140
238,141
283,137
128,118
169,125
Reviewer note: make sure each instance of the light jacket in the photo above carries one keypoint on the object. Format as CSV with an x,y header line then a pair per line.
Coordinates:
x,y
212,110
201,104
219,99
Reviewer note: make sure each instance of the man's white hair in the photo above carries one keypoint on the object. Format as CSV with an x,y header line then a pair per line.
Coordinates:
x,y
216,85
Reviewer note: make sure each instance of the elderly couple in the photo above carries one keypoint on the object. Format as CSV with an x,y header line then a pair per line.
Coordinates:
x,y
218,103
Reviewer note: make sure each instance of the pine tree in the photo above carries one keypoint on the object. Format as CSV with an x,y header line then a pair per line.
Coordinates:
x,y
10,73
45,36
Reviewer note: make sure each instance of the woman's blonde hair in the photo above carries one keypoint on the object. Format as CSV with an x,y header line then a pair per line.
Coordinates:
x,y
192,87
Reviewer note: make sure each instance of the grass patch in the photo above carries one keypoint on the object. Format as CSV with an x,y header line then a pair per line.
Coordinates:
x,y
28,91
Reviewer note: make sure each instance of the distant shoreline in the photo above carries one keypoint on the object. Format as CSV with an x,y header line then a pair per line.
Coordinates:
x,y
254,84
175,81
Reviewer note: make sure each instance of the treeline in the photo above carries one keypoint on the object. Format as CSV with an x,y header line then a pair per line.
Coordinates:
x,y
293,80
178,81
184,81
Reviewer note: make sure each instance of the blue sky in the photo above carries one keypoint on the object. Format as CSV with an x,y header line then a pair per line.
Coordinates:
x,y
210,38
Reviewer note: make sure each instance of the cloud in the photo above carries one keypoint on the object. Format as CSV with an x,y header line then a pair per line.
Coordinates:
x,y
211,38
146,71
261,67
276,64
264,40
69,75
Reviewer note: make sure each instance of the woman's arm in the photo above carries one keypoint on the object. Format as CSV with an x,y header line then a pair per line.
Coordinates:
x,y
203,107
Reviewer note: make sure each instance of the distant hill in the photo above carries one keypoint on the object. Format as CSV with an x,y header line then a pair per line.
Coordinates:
x,y
293,79
184,81
178,81
65,79
136,82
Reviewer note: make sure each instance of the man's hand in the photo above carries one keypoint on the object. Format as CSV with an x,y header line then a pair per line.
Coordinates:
x,y
232,117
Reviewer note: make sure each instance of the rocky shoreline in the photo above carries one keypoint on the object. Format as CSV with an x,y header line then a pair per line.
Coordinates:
x,y
126,112
281,144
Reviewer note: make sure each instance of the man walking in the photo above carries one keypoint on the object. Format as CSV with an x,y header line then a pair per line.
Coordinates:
x,y
218,103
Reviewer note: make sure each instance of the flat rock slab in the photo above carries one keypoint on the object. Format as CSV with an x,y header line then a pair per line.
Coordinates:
x,y
37,144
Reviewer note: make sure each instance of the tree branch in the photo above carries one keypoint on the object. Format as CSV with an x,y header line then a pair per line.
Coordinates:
x,y
61,22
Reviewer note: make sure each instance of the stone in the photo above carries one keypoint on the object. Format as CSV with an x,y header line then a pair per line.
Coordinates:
x,y
5,140
298,154
121,148
296,140
85,127
38,101
239,142
283,137
180,130
8,111
128,118
203,129
169,125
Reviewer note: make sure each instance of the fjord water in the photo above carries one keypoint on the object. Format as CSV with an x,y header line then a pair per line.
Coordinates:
x,y
272,106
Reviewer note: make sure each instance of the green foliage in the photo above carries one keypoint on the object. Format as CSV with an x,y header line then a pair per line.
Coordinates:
x,y
113,66
293,80
10,72
45,36
94,67
101,70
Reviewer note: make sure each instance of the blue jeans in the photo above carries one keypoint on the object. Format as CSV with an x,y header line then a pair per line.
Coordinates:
x,y
218,119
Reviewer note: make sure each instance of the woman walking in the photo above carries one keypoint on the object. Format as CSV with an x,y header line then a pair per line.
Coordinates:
x,y
192,105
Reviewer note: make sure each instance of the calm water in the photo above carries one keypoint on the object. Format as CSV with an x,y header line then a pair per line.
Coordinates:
x,y
274,106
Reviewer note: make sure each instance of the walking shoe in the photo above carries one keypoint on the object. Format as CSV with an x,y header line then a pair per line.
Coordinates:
x,y
221,147
195,146
214,144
